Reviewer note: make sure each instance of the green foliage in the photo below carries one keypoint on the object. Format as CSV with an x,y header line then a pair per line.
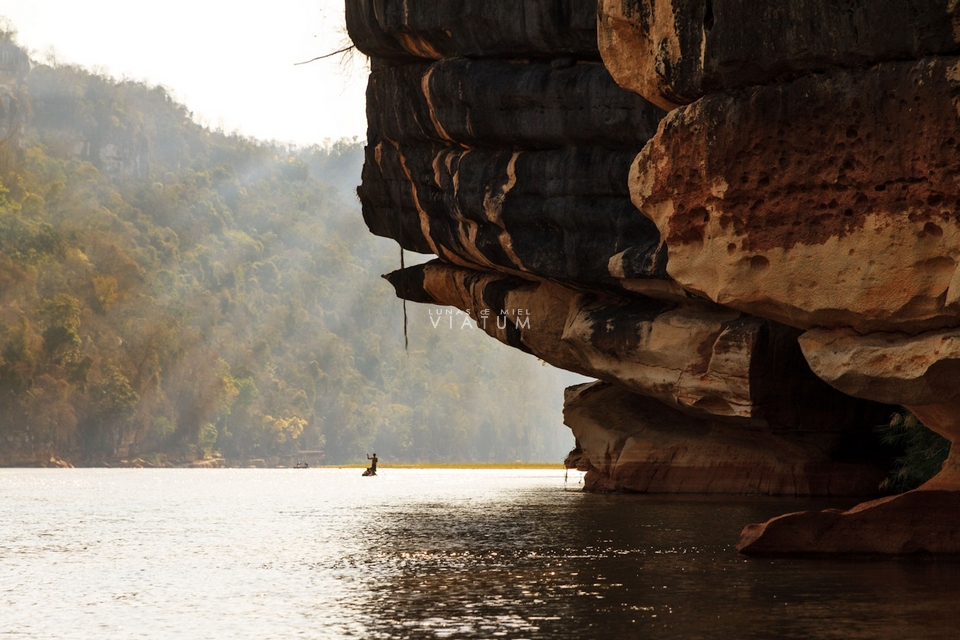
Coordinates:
x,y
113,406
19,357
207,438
23,240
169,290
923,451
60,317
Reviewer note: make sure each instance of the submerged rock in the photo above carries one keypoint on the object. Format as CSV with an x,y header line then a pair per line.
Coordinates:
x,y
915,522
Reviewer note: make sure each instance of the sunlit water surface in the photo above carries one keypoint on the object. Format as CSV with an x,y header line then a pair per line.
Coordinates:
x,y
324,553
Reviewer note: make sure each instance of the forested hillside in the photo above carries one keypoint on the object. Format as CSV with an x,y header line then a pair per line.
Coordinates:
x,y
169,292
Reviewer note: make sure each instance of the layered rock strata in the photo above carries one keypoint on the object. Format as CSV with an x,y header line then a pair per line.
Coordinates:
x,y
499,143
517,212
816,184
736,387
511,166
675,51
397,31
628,441
827,201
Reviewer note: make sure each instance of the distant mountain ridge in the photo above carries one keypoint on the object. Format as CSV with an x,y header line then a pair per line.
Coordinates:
x,y
170,294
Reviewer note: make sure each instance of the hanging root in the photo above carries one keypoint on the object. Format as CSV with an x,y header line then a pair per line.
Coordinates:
x,y
326,55
403,283
403,287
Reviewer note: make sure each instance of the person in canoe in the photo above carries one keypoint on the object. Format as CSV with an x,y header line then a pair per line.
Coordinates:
x,y
372,470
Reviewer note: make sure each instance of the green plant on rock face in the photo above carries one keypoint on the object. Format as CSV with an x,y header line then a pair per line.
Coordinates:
x,y
923,451
207,438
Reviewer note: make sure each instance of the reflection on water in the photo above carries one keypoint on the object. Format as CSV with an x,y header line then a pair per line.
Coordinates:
x,y
422,554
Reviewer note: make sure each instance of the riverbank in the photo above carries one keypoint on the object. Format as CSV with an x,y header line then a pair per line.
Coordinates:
x,y
452,465
263,463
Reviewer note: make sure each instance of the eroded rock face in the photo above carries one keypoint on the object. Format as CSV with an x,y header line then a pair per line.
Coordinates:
x,y
696,357
507,104
563,214
914,370
498,143
810,183
514,166
403,30
920,372
628,441
812,180
673,52
915,522
827,201
663,349
511,153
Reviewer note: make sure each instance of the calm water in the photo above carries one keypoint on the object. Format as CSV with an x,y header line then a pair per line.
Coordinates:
x,y
324,553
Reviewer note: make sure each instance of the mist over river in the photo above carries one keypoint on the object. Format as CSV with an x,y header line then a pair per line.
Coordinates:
x,y
324,553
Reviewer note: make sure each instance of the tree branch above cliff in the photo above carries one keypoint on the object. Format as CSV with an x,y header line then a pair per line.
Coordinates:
x,y
326,55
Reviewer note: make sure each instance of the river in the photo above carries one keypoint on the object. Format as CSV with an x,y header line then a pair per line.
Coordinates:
x,y
324,553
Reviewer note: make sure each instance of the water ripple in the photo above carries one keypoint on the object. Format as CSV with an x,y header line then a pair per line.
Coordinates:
x,y
421,554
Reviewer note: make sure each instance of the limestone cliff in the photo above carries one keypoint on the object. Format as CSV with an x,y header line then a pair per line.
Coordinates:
x,y
811,179
754,275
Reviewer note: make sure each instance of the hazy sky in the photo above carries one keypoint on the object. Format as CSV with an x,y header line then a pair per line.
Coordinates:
x,y
231,63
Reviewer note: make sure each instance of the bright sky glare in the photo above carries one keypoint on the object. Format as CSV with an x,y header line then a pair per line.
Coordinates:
x,y
231,63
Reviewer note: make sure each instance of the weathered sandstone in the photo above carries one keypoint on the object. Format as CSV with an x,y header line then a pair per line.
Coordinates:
x,y
697,357
507,104
673,52
498,143
511,165
401,30
563,214
806,183
827,201
631,442
908,369
915,522
662,349
920,372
